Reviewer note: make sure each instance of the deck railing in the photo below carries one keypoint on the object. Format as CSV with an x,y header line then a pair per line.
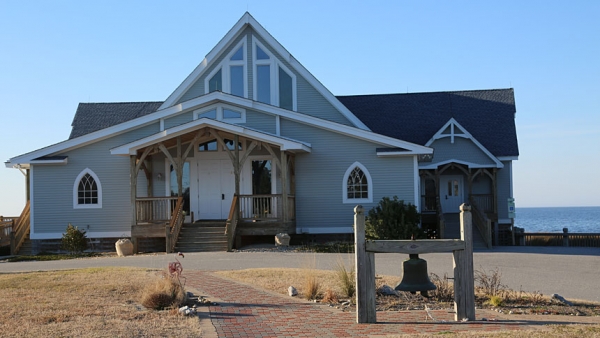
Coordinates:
x,y
155,209
265,207
428,203
482,222
6,227
485,202
174,227
558,239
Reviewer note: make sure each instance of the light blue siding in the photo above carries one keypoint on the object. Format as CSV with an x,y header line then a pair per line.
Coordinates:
x,y
320,174
53,188
260,121
504,189
178,119
462,149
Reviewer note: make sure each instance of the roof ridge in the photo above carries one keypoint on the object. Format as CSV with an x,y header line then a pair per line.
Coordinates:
x,y
438,92
125,102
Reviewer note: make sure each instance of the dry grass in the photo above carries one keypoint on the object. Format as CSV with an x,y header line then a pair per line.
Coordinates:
x,y
163,293
95,302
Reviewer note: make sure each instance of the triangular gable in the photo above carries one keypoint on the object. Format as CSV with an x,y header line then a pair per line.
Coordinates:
x,y
226,45
452,132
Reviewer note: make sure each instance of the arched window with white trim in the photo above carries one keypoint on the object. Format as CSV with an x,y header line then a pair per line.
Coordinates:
x,y
87,190
357,185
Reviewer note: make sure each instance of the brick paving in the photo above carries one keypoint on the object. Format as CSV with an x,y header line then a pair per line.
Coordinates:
x,y
245,311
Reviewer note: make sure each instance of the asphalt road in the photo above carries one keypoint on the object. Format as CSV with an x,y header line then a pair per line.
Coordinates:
x,y
573,273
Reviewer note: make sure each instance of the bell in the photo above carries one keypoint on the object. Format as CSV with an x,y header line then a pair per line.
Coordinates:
x,y
415,277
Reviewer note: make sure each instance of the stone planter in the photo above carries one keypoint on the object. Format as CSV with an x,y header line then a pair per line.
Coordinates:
x,y
124,247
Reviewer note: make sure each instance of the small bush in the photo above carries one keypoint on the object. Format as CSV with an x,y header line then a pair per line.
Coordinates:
x,y
330,296
393,219
496,301
445,289
490,282
163,294
311,286
345,279
74,240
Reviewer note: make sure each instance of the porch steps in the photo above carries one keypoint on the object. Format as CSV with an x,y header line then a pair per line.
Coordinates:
x,y
452,231
202,236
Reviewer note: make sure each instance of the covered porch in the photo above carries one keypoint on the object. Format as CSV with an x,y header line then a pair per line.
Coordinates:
x,y
213,171
446,186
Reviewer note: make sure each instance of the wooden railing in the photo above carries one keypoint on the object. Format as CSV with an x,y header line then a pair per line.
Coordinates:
x,y
482,222
428,203
265,207
20,230
6,227
485,202
558,239
231,223
155,209
174,227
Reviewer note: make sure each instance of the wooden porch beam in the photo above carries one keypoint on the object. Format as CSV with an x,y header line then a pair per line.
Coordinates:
x,y
270,150
284,195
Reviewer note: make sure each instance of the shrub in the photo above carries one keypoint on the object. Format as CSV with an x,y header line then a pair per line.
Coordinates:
x,y
490,282
74,240
393,219
163,294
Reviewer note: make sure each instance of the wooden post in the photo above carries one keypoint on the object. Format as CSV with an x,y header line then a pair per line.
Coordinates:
x,y
284,194
464,278
565,236
168,238
365,272
133,178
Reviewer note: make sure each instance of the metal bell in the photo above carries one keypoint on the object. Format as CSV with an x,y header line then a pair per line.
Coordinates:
x,y
415,277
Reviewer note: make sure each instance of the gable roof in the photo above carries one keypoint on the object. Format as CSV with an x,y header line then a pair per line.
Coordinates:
x,y
248,20
489,115
91,117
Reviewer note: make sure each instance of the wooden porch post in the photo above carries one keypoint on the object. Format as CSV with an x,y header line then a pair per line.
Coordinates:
x,y
133,184
284,194
27,184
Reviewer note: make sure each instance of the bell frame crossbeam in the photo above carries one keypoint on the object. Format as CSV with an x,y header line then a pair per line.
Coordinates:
x,y
462,252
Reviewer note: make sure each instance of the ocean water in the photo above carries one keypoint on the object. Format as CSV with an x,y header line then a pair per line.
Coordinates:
x,y
576,219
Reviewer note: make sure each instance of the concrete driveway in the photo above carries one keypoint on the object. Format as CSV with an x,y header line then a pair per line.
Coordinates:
x,y
573,273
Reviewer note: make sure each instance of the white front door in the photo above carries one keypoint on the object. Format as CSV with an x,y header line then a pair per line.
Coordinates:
x,y
216,186
451,193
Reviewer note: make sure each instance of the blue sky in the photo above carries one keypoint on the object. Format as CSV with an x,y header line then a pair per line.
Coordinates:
x,y
55,54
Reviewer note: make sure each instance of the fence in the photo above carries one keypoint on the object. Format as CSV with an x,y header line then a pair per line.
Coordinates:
x,y
557,239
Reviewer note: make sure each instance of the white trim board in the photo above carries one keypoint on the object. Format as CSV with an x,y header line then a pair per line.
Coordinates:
x,y
453,124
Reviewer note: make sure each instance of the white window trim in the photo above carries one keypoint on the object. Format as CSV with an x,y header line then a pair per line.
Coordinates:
x,y
76,204
225,65
345,198
274,65
219,116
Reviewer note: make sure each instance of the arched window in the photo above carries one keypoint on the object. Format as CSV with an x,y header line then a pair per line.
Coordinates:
x,y
87,190
357,185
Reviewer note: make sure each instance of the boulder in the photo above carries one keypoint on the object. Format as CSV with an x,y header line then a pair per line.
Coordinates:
x,y
387,290
124,247
292,291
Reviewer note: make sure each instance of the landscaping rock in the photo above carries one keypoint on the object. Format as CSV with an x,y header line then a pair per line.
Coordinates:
x,y
292,291
282,239
387,290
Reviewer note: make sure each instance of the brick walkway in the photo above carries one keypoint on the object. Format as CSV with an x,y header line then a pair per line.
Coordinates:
x,y
245,311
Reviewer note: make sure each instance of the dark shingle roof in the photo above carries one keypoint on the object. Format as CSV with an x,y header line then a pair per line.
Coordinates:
x,y
489,115
92,117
